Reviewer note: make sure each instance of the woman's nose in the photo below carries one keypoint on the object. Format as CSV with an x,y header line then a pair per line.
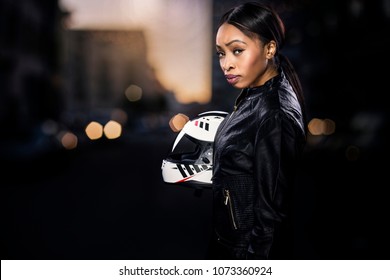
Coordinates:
x,y
227,65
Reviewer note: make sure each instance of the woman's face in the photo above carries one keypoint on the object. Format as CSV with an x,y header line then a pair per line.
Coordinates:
x,y
244,60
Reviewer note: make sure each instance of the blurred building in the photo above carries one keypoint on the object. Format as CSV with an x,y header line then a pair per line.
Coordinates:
x,y
30,81
107,70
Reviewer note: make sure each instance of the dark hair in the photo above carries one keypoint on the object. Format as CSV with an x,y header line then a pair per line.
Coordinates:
x,y
262,21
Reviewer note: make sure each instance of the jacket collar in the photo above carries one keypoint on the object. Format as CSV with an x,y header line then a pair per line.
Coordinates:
x,y
249,92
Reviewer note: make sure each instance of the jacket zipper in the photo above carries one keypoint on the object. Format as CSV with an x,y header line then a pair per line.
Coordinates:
x,y
228,203
234,110
237,102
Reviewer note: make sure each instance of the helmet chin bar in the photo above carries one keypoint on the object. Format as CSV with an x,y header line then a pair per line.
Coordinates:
x,y
190,162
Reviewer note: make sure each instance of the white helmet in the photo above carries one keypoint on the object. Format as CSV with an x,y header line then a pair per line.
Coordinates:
x,y
190,160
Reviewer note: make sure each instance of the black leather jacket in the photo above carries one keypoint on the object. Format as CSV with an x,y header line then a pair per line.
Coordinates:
x,y
256,149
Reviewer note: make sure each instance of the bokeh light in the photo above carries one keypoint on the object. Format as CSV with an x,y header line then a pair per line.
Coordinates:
x,y
352,153
318,126
133,93
94,130
112,130
119,115
69,140
177,122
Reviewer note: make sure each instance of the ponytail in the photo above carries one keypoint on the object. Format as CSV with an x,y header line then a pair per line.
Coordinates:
x,y
293,78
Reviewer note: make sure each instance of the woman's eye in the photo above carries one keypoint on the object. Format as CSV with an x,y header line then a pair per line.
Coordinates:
x,y
237,51
220,54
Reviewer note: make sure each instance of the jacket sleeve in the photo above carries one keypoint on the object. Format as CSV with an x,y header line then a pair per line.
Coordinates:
x,y
276,152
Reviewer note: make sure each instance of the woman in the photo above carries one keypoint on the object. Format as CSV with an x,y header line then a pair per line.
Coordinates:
x,y
257,147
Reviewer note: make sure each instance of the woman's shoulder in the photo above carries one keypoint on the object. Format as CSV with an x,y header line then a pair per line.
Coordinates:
x,y
279,103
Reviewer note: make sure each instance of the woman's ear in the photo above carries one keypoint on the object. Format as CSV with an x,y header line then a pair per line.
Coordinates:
x,y
270,49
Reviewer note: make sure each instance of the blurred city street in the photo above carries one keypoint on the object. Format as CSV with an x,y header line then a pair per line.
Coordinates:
x,y
109,202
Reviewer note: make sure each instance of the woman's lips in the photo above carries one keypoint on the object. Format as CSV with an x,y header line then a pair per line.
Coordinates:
x,y
232,79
